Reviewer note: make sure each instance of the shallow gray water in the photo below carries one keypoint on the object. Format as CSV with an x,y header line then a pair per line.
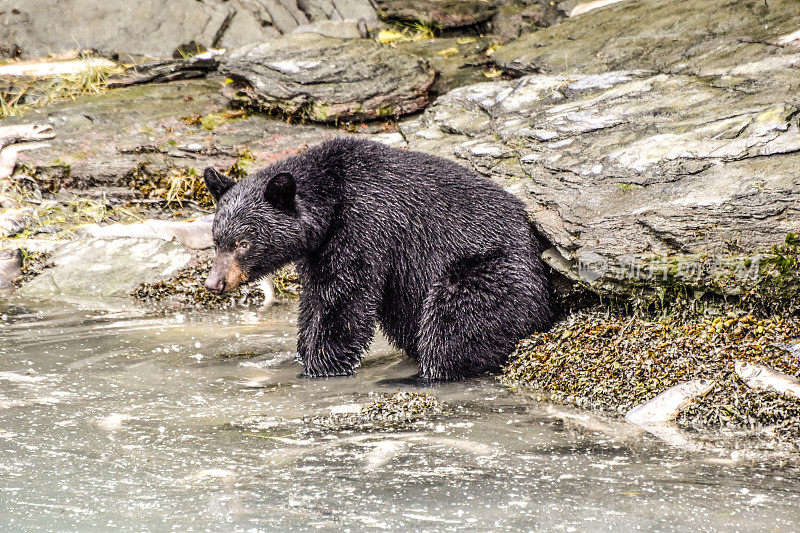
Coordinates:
x,y
192,422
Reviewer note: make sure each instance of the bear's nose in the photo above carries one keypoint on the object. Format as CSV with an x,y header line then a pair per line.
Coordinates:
x,y
215,285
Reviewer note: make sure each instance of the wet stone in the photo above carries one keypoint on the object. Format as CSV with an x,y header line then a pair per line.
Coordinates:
x,y
631,185
106,267
322,79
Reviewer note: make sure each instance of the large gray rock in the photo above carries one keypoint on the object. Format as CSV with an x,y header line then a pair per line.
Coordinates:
x,y
635,177
676,171
149,27
106,267
660,35
328,80
155,28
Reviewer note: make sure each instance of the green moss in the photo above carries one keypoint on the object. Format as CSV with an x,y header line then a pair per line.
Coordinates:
x,y
628,187
241,167
320,111
766,283
214,120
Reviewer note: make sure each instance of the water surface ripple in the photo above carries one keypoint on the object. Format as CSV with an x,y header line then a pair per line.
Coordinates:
x,y
134,420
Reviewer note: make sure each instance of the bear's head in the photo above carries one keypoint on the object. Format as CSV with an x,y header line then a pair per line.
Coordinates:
x,y
257,227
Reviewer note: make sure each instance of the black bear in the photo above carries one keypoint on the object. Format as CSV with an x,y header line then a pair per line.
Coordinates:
x,y
443,259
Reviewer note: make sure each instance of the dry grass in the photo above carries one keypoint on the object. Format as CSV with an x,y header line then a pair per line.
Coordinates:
x,y
58,215
18,95
408,31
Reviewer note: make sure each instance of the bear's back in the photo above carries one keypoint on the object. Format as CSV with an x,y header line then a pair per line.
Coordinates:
x,y
430,196
397,202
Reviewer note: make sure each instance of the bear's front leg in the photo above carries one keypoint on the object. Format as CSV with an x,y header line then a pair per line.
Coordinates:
x,y
334,329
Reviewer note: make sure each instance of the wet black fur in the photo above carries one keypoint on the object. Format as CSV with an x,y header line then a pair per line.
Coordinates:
x,y
444,260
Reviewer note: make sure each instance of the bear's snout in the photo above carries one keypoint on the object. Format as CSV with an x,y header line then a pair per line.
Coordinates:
x,y
226,274
215,284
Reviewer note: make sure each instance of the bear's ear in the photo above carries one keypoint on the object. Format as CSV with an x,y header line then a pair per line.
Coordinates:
x,y
216,183
281,190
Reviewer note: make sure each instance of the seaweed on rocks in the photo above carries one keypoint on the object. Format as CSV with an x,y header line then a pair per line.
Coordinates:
x,y
185,289
599,360
386,411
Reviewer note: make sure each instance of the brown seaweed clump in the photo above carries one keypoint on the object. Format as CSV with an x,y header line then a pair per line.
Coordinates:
x,y
734,405
387,411
610,362
32,265
174,186
185,289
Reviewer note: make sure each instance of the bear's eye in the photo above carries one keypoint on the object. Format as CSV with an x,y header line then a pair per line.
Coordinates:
x,y
243,245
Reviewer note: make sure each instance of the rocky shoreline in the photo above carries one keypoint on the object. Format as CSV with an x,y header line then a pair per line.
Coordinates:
x,y
655,148
602,360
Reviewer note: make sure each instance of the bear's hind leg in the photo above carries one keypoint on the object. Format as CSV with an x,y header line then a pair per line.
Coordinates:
x,y
476,312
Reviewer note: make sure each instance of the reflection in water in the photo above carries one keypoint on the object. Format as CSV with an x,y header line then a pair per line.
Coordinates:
x,y
199,421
